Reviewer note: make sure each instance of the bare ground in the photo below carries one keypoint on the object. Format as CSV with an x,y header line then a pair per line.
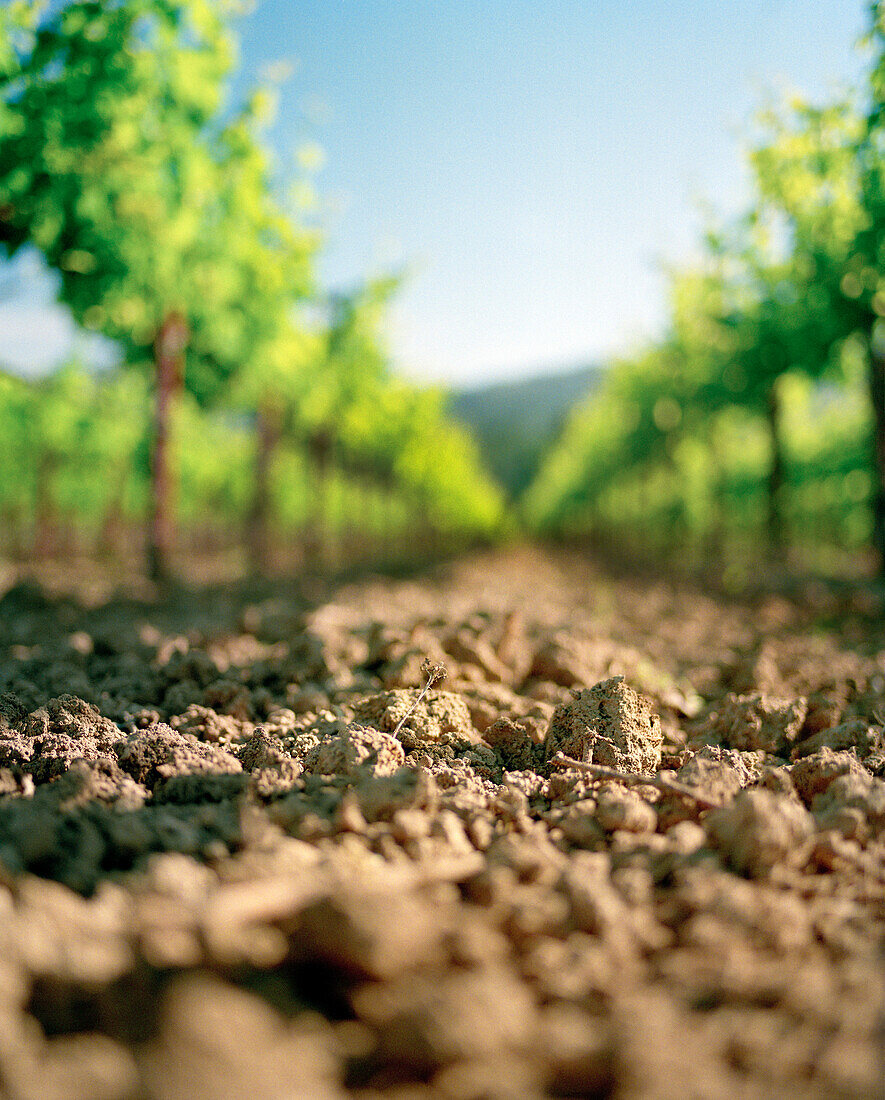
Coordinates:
x,y
631,847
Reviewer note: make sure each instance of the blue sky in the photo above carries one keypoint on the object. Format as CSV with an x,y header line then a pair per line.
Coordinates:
x,y
533,164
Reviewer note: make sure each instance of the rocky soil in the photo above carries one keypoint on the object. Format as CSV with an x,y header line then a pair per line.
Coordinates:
x,y
631,846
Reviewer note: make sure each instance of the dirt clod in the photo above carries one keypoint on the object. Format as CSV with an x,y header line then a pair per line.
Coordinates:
x,y
757,722
759,831
356,748
441,716
608,724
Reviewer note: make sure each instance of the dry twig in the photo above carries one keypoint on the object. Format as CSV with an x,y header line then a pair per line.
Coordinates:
x,y
635,779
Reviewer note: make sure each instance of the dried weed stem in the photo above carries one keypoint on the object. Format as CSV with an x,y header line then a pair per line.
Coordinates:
x,y
435,674
635,779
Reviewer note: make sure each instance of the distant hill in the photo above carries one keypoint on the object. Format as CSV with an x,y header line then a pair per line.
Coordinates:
x,y
515,422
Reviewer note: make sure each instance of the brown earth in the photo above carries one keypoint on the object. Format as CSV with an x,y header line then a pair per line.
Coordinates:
x,y
631,847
